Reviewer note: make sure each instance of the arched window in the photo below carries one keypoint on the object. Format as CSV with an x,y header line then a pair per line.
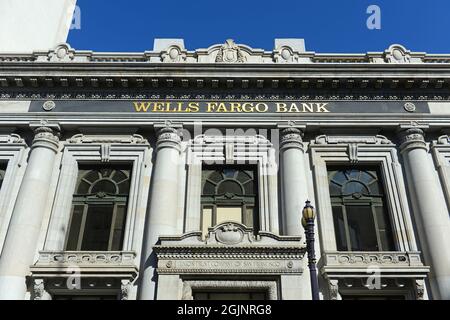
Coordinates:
x,y
361,221
229,194
99,208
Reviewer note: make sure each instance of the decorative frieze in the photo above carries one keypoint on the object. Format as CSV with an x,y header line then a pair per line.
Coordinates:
x,y
363,259
85,258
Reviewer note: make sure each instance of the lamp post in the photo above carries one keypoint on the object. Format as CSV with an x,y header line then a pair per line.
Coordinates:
x,y
308,216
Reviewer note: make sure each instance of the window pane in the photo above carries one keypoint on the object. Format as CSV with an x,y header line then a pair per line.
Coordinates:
x,y
206,220
339,228
361,228
75,226
230,186
2,173
355,187
362,213
249,217
229,214
384,229
244,176
249,188
230,189
97,228
105,186
119,227
209,188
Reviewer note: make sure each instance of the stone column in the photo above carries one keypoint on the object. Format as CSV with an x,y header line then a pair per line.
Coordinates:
x,y
20,244
162,214
430,210
293,180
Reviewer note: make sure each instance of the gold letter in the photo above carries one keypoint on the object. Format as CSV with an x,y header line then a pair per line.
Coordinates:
x,y
308,106
210,106
235,105
193,107
141,106
222,107
321,107
281,107
293,108
264,109
249,105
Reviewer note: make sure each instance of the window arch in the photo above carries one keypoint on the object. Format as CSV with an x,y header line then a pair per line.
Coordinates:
x,y
229,194
361,220
99,208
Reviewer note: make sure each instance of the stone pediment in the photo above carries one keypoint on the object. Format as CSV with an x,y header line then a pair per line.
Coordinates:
x,y
230,248
231,234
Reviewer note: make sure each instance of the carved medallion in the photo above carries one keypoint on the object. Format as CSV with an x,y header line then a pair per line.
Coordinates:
x,y
229,233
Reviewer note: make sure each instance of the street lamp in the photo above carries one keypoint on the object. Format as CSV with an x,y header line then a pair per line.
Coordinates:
x,y
308,216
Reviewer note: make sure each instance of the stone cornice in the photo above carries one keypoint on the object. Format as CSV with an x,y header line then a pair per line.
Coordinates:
x,y
228,65
173,52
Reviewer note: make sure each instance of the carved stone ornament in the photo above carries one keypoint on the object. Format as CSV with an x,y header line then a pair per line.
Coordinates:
x,y
230,52
420,289
229,234
11,138
168,137
46,137
38,289
412,138
445,139
131,139
285,55
376,139
48,105
62,53
125,289
173,54
291,138
333,286
397,54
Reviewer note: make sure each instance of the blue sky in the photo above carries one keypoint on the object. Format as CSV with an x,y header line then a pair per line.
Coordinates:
x,y
326,25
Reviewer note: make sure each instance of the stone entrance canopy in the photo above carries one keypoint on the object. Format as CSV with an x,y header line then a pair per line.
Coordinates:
x,y
230,251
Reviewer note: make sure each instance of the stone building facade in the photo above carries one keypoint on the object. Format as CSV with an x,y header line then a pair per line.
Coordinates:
x,y
177,174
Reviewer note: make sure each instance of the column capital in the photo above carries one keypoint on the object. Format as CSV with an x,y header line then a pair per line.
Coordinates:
x,y
291,137
46,136
168,137
411,138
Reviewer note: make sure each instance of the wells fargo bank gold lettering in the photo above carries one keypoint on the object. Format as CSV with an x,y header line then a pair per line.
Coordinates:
x,y
229,107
